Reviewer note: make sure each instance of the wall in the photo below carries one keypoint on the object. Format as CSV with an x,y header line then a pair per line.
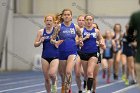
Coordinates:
x,y
3,23
113,7
96,7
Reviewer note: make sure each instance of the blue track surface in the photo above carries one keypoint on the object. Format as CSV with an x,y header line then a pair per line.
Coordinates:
x,y
33,82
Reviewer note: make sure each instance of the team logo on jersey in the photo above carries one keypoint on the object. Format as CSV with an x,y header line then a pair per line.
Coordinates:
x,y
86,33
72,30
47,37
93,34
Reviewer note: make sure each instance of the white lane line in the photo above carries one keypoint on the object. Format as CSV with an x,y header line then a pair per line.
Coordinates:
x,y
102,86
106,85
1,91
22,81
57,88
125,89
27,77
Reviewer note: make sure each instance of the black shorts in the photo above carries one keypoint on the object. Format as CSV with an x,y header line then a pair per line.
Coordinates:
x,y
79,53
108,57
50,59
87,56
128,51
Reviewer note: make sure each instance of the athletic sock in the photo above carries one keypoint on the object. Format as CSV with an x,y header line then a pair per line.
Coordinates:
x,y
89,83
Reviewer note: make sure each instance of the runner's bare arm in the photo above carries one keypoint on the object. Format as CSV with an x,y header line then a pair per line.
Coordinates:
x,y
78,32
100,39
39,39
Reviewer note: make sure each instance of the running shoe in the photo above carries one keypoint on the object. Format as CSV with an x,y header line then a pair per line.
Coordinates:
x,y
108,81
88,91
54,89
132,82
126,82
80,91
63,88
70,91
123,77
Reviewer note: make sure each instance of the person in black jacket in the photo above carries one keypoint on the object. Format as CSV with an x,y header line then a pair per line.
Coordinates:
x,y
134,33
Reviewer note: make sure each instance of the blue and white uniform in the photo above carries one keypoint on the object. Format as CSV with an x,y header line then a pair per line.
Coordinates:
x,y
90,48
68,46
108,52
49,52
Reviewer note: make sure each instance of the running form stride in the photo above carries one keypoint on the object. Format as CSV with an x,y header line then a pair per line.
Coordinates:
x,y
89,50
49,59
66,32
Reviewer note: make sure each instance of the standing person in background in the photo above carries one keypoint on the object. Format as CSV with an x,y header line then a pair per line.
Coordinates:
x,y
49,59
66,32
134,27
107,60
117,54
90,50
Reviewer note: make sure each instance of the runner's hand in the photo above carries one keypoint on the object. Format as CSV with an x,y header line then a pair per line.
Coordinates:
x,y
57,43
